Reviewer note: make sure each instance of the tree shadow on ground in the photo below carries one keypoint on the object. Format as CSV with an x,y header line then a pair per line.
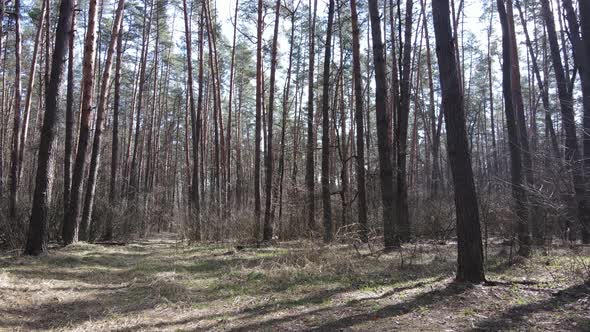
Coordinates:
x,y
515,317
141,278
340,324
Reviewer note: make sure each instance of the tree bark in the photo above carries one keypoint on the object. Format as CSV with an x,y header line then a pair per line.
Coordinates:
x,y
38,223
566,101
259,100
518,191
402,131
100,117
69,117
194,188
358,117
14,152
72,218
135,169
470,253
310,148
267,230
113,194
385,168
30,86
581,52
327,206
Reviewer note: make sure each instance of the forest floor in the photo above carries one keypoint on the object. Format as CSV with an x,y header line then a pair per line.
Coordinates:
x,y
161,284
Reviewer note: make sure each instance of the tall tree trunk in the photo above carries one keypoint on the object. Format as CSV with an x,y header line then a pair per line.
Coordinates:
x,y
30,86
194,189
69,116
495,163
2,97
149,171
402,131
108,234
135,168
230,105
518,104
327,206
267,230
518,190
581,52
258,125
310,147
286,107
572,154
385,167
14,152
434,133
100,117
71,220
358,117
470,253
197,128
38,222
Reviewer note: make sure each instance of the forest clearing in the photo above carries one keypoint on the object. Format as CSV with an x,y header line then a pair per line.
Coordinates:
x,y
295,165
164,285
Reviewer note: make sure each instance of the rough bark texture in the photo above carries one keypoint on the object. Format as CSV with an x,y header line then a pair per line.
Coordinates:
x,y
71,222
391,239
402,131
30,86
194,190
38,223
358,117
581,50
113,193
566,102
69,134
14,151
327,206
267,230
100,117
310,147
469,245
258,124
518,191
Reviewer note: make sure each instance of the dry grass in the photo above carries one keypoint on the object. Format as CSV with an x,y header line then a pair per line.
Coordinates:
x,y
164,285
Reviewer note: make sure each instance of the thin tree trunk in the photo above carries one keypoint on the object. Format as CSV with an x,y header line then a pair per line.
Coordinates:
x,y
572,154
69,116
135,169
518,191
100,116
72,216
327,206
230,105
402,131
491,96
385,167
581,52
358,117
30,86
259,100
310,148
108,234
267,231
14,152
194,189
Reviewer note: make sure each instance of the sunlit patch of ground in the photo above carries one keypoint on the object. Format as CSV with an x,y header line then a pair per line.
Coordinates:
x,y
162,284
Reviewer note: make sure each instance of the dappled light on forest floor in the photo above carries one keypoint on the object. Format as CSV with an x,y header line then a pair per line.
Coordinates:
x,y
162,284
